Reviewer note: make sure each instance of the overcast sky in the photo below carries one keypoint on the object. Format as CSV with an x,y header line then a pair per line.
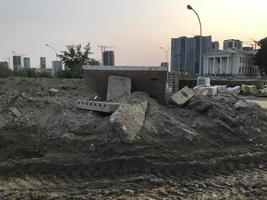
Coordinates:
x,y
136,28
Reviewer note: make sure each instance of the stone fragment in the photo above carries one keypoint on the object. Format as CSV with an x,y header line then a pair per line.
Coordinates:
x,y
15,111
244,105
53,91
128,120
118,87
183,96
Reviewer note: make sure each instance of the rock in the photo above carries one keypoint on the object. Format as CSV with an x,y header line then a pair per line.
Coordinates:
x,y
118,87
128,120
183,96
92,148
53,91
23,95
15,111
244,105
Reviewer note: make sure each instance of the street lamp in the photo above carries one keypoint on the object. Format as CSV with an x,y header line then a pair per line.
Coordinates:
x,y
200,42
49,46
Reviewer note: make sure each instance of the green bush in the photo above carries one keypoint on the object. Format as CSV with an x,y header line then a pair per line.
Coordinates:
x,y
75,72
5,72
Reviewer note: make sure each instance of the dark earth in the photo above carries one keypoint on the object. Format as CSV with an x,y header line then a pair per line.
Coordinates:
x,y
212,148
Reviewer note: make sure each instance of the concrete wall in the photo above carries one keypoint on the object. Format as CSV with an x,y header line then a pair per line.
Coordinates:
x,y
147,79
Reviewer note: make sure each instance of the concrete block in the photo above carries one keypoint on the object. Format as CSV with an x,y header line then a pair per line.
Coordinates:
x,y
128,120
183,96
97,106
118,86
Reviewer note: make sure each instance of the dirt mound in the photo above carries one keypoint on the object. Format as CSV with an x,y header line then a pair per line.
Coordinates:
x,y
51,138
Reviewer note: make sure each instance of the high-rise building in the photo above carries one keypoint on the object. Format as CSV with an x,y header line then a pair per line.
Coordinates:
x,y
185,53
27,63
232,44
16,63
108,58
43,63
215,46
57,66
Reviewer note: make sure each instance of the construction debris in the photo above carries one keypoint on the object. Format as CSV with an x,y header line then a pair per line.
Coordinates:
x,y
105,107
53,91
249,89
208,148
118,87
15,111
182,96
128,120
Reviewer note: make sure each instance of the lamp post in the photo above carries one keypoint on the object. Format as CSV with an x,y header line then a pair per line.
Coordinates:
x,y
49,46
200,42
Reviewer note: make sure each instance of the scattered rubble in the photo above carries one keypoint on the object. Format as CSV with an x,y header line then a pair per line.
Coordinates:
x,y
211,147
182,96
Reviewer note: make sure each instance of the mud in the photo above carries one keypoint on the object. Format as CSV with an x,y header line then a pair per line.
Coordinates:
x,y
209,149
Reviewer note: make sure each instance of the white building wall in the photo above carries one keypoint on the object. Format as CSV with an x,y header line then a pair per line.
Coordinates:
x,y
229,63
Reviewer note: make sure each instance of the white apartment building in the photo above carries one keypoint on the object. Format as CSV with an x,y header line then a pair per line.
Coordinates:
x,y
230,62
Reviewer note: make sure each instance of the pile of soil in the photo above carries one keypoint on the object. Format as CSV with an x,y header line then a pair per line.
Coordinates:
x,y
76,154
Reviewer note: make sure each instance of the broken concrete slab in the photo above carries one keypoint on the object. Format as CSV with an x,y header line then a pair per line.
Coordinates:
x,y
98,106
15,111
53,91
183,96
128,120
118,86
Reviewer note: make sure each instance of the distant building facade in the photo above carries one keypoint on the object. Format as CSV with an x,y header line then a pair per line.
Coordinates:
x,y
108,58
185,53
230,62
16,63
215,46
43,63
232,44
26,63
57,66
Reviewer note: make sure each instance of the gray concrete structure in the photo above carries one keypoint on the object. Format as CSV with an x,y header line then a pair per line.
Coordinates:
x,y
27,63
232,44
151,80
16,63
118,87
108,58
43,63
57,66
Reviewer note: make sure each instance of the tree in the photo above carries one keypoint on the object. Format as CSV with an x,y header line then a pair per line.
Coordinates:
x,y
4,70
261,56
74,58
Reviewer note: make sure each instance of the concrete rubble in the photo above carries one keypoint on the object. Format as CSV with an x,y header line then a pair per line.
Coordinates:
x,y
182,96
128,120
207,148
15,111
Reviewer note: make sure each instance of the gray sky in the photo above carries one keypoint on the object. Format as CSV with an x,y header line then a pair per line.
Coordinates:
x,y
137,28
